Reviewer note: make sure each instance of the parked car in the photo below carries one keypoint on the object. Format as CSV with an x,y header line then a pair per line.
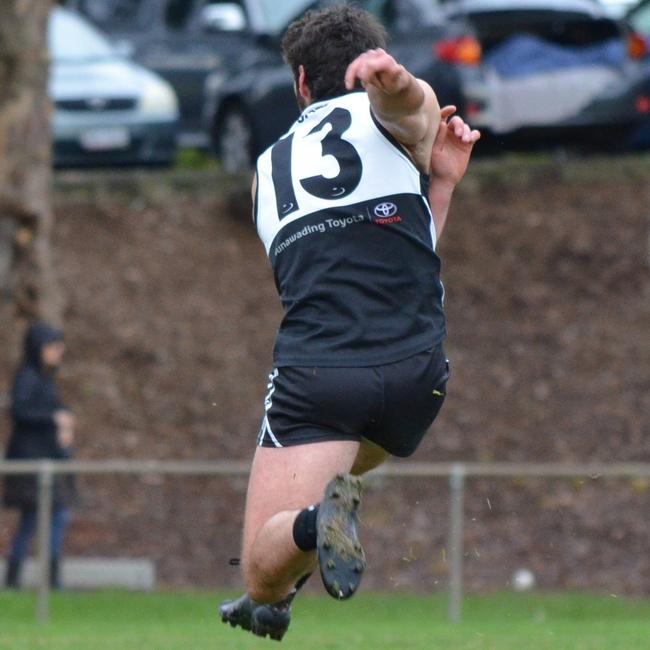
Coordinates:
x,y
557,71
174,39
106,110
254,103
224,60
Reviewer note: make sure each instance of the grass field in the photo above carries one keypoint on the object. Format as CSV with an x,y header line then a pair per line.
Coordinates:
x,y
187,621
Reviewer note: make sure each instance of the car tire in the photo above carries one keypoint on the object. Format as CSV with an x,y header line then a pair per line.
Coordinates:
x,y
234,140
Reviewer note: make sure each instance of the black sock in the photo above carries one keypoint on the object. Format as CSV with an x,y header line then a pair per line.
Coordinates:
x,y
304,529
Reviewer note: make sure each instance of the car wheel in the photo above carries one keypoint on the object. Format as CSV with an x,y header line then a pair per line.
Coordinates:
x,y
234,140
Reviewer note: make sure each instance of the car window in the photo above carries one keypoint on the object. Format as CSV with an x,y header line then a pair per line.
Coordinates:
x,y
70,38
404,15
278,14
234,19
185,15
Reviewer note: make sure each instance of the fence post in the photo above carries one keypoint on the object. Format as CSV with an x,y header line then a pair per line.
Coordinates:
x,y
456,514
44,532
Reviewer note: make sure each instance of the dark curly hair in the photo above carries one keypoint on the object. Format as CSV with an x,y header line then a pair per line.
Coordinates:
x,y
325,42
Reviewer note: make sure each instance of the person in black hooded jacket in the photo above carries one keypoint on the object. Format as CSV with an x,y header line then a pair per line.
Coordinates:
x,y
42,427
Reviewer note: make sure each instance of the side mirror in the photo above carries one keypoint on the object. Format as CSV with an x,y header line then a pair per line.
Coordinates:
x,y
222,17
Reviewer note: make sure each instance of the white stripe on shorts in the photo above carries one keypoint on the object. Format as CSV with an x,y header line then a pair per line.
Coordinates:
x,y
266,428
268,403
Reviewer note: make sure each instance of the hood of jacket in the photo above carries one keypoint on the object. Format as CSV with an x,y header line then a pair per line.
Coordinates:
x,y
39,335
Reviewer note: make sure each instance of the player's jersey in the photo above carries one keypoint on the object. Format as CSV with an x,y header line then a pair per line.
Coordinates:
x,y
343,215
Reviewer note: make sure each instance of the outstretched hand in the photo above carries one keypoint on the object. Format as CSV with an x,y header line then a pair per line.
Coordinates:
x,y
404,105
452,148
379,69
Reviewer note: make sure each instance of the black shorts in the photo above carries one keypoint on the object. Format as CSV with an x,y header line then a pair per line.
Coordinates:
x,y
391,405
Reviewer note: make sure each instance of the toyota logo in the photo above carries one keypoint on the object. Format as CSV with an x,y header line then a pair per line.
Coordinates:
x,y
385,209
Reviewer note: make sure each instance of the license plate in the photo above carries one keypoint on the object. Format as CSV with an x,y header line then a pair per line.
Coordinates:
x,y
105,139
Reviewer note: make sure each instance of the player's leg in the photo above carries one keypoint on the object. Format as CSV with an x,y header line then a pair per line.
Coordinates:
x,y
283,482
274,565
309,435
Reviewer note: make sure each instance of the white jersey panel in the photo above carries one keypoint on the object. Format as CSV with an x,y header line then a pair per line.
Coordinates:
x,y
346,127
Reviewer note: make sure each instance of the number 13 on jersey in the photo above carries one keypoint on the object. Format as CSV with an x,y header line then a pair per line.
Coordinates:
x,y
333,144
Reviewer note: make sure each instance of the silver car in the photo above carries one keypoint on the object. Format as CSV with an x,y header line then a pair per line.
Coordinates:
x,y
107,110
556,71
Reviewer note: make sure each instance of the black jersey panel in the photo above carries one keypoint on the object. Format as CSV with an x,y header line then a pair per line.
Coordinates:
x,y
359,284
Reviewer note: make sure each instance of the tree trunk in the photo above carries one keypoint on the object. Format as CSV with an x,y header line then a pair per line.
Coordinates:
x,y
27,285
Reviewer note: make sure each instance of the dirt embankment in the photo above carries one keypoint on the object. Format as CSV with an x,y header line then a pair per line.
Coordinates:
x,y
170,321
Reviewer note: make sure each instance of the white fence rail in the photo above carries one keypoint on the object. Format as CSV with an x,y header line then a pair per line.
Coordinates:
x,y
456,473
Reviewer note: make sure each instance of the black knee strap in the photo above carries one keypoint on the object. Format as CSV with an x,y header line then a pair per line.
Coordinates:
x,y
304,529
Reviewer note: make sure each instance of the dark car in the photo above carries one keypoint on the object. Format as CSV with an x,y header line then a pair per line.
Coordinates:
x,y
254,103
557,71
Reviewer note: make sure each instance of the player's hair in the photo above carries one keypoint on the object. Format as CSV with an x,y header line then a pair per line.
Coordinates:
x,y
325,42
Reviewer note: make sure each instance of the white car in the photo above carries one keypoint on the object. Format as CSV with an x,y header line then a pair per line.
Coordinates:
x,y
107,110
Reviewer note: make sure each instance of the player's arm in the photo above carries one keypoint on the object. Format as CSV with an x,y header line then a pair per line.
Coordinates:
x,y
450,156
407,107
